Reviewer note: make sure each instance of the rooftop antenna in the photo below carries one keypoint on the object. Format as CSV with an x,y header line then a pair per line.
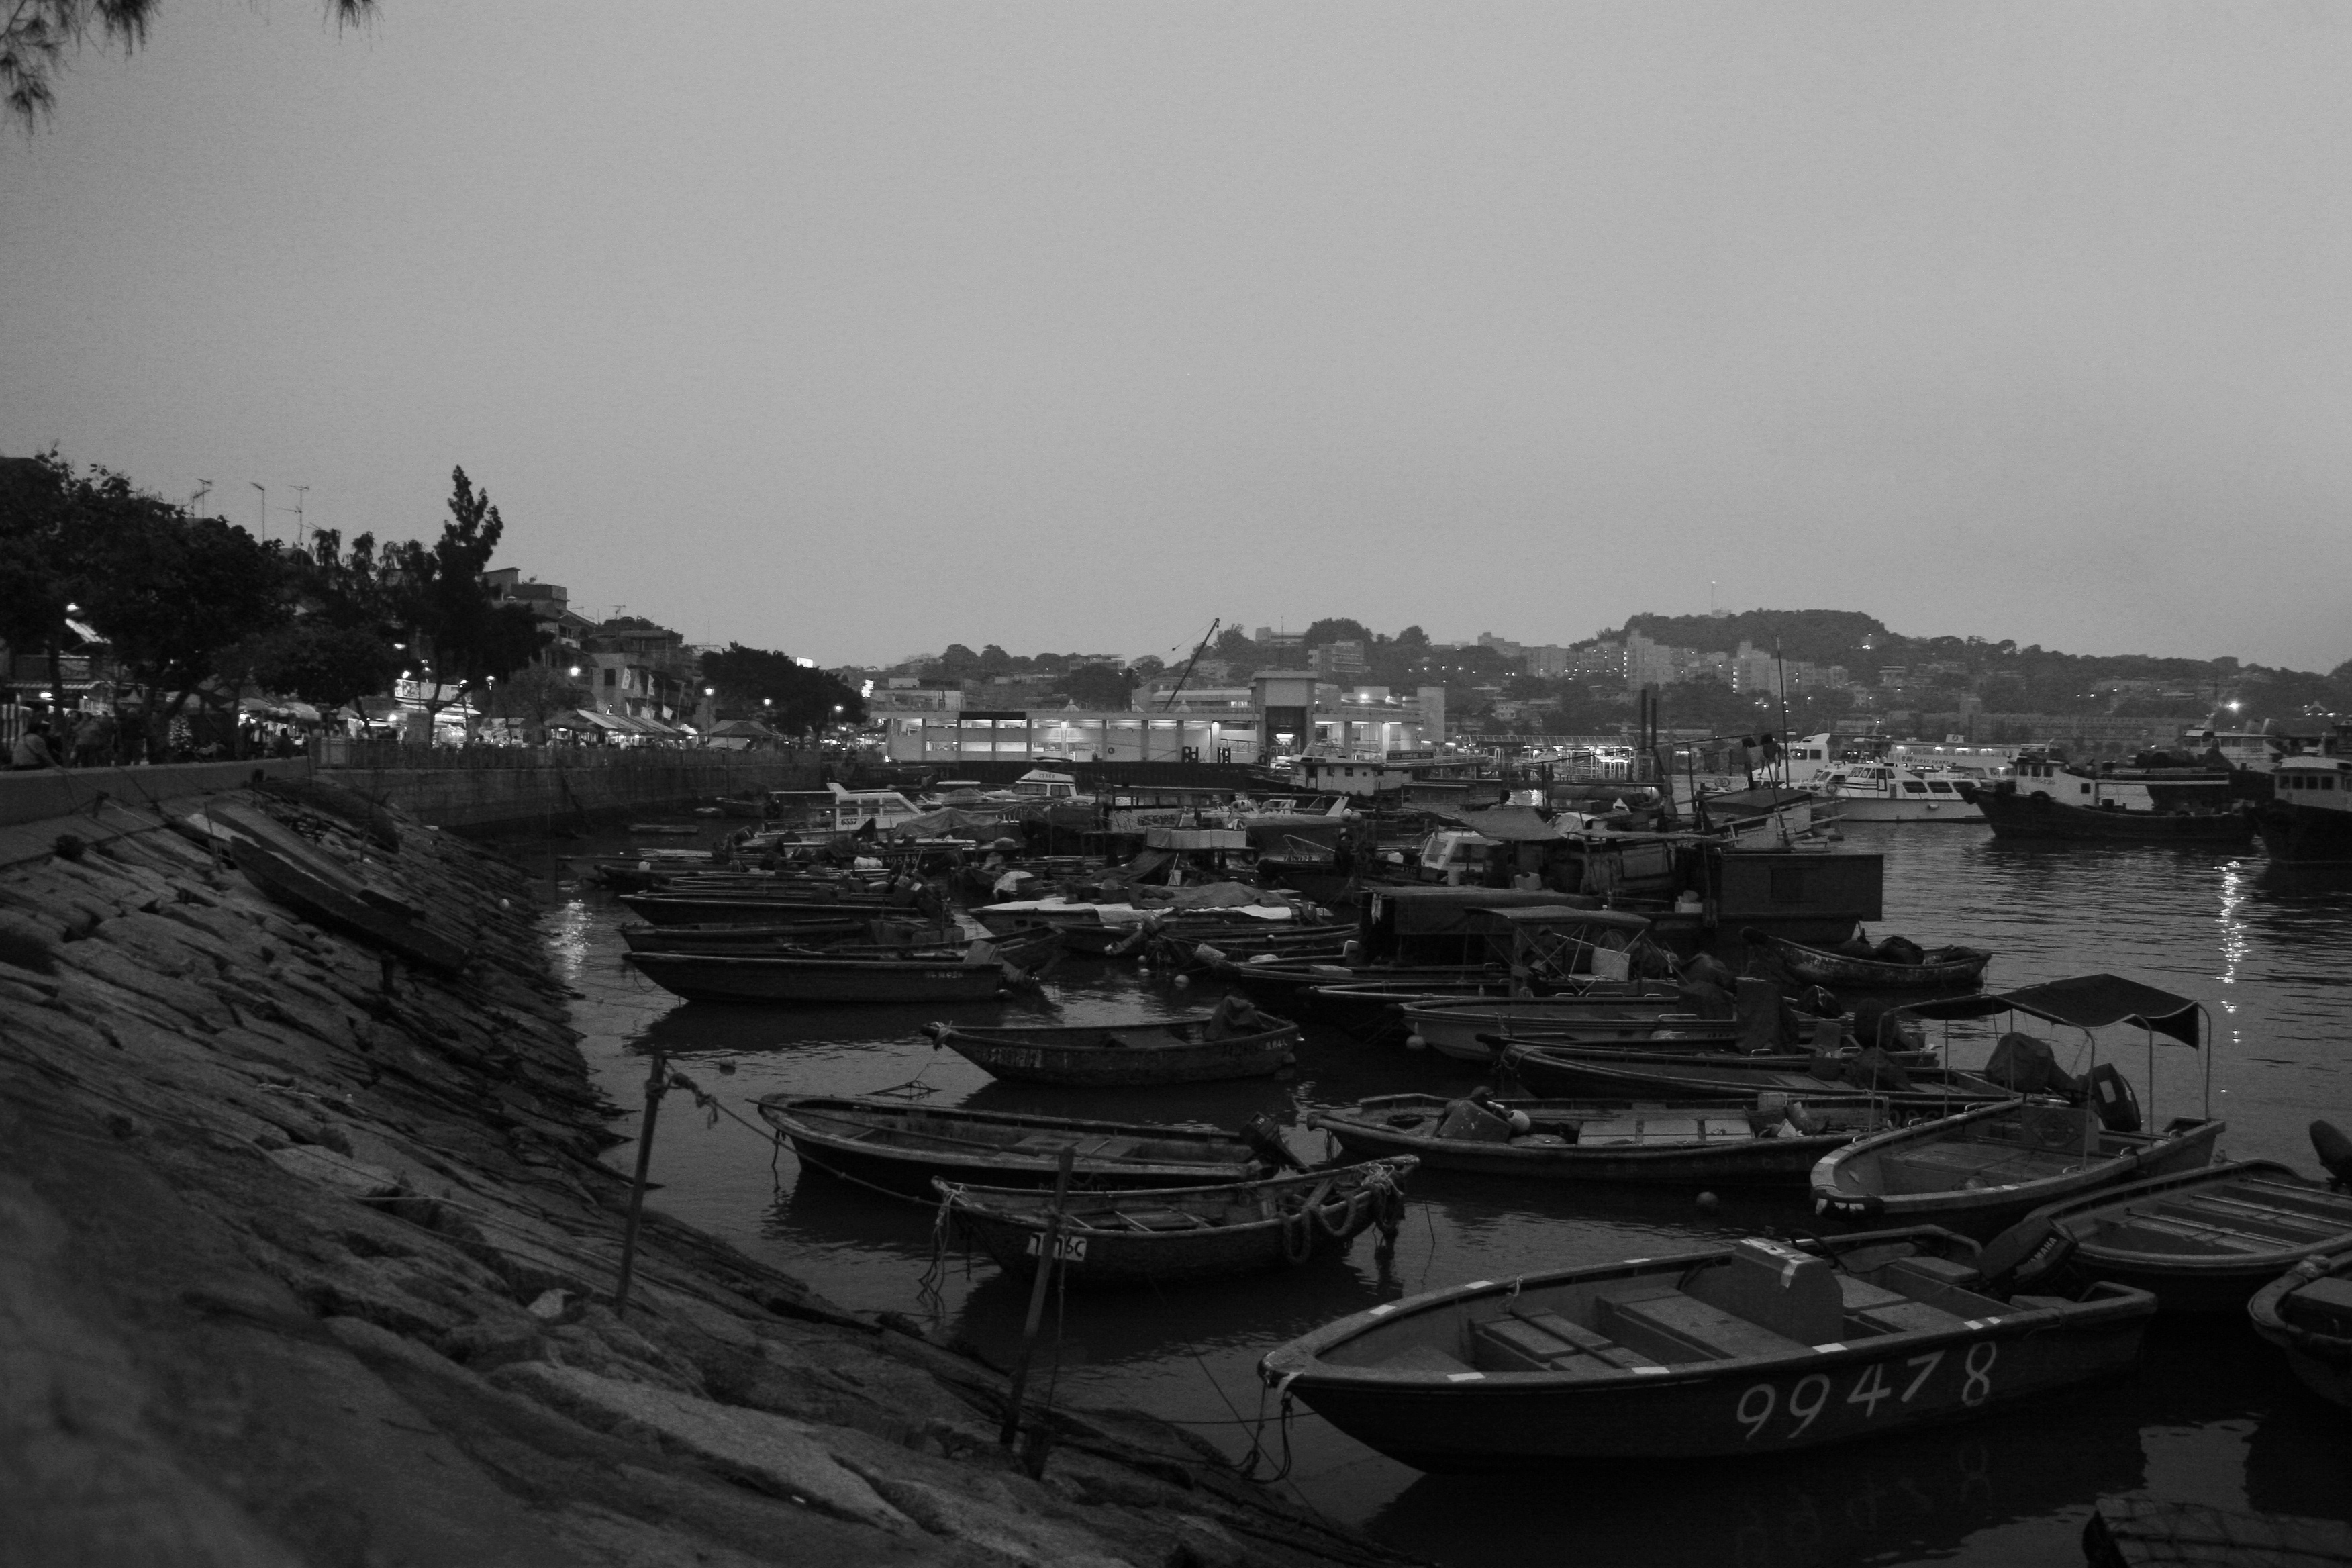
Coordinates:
x,y
256,484
301,524
204,488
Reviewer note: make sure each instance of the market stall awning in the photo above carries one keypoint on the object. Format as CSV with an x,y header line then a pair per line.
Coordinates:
x,y
591,719
2086,1002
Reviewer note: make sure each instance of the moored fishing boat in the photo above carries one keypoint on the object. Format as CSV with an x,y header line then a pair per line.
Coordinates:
x,y
757,909
974,973
2051,799
1758,1347
1771,1142
1938,968
1463,1029
899,1147
1599,1073
762,938
1229,1043
2306,1312
2198,1240
1177,1235
1984,1169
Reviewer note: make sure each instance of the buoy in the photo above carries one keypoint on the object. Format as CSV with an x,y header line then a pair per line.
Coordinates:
x,y
1183,980
1521,1123
1415,1043
1709,1201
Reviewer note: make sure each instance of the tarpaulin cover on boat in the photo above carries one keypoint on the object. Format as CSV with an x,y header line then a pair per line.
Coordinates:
x,y
1434,911
1507,824
1566,908
2086,1002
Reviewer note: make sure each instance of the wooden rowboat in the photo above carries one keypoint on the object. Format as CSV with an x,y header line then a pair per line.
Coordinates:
x,y
900,1148
1461,1028
2196,1240
2307,1313
756,908
1755,1347
1597,1073
1191,1049
972,974
734,938
1984,1169
1708,1144
342,904
1940,969
1171,1235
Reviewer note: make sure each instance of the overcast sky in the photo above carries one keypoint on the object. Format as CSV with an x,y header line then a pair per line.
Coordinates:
x,y
857,329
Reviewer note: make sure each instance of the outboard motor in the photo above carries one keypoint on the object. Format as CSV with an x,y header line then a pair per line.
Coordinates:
x,y
1264,1140
2112,1098
2335,1152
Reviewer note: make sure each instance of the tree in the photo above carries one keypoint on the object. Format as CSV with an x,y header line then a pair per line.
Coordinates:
x,y
536,694
1097,686
779,690
1147,667
34,587
172,595
1338,629
321,662
34,40
1235,646
474,639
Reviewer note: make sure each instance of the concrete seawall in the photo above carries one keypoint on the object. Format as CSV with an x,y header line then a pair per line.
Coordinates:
x,y
307,1258
564,791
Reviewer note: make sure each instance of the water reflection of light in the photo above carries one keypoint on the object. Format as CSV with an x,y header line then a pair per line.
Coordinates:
x,y
2235,941
567,939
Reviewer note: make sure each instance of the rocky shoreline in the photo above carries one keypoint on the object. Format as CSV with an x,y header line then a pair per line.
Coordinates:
x,y
308,1259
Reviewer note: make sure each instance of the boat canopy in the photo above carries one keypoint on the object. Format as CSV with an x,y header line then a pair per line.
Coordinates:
x,y
2086,1002
1560,914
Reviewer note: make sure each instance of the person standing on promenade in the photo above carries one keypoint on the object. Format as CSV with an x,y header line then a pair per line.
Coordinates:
x,y
32,748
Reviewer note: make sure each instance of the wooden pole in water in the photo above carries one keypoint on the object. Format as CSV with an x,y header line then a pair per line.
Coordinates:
x,y
656,1081
1048,1254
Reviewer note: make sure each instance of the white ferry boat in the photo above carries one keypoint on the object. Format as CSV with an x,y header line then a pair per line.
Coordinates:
x,y
1880,791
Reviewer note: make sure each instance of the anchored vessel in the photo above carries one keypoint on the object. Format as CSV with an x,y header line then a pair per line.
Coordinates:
x,y
1754,1348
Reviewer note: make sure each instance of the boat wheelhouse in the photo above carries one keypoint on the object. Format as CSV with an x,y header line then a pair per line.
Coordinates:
x,y
2308,817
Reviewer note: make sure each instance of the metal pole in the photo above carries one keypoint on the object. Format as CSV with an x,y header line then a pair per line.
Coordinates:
x,y
1048,1254
656,1081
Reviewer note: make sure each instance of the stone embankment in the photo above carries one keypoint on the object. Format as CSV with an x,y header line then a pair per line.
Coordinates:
x,y
308,1260
520,788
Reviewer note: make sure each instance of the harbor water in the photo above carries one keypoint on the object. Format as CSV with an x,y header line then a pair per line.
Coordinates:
x,y
2210,1417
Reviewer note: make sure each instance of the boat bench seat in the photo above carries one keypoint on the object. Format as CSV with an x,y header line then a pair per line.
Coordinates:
x,y
1535,1339
1943,1167
1875,1310
2323,1306
1943,1284
1424,1357
1672,1327
2152,1233
2253,1219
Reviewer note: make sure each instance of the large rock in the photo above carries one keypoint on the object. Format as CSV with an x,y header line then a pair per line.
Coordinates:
x,y
771,1452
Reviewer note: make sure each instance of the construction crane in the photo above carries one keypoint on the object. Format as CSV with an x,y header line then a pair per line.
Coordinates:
x,y
1202,647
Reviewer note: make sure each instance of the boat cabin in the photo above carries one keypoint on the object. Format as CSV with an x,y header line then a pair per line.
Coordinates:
x,y
1416,926
1038,783
2315,784
885,809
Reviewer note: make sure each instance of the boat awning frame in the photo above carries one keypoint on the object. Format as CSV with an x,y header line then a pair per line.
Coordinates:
x,y
2085,1002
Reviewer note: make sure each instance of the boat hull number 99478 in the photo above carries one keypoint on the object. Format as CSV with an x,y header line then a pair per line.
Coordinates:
x,y
1937,1379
